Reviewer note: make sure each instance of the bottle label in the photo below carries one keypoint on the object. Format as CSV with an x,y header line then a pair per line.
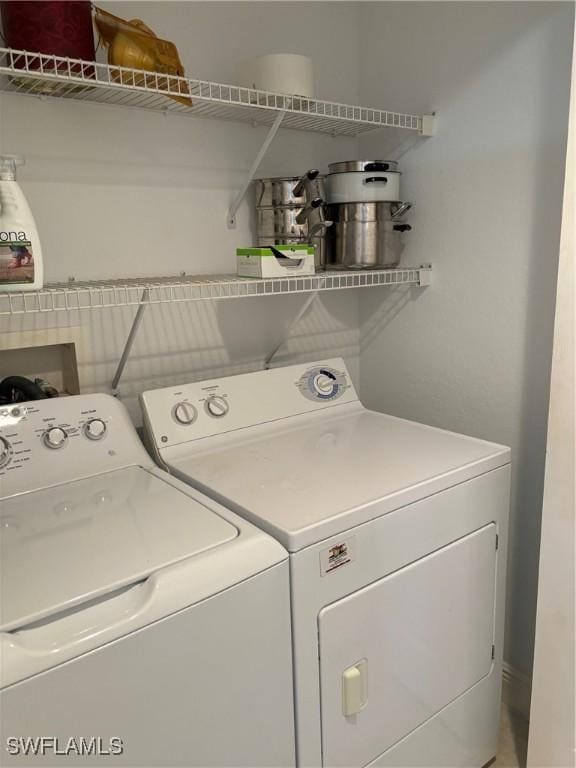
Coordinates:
x,y
16,258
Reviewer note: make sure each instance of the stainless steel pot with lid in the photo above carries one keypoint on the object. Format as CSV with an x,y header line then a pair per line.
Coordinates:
x,y
364,166
357,181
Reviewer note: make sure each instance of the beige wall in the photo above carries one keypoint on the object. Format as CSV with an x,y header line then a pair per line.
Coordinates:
x,y
552,721
473,352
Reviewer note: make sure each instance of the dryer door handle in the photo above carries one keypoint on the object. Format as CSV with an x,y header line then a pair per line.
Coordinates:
x,y
355,688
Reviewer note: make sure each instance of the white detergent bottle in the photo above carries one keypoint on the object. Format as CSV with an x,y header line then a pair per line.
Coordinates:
x,y
21,267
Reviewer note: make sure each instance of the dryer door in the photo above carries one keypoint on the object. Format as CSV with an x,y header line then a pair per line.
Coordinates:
x,y
396,652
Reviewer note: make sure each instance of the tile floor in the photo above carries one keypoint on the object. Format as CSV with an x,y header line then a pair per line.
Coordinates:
x,y
513,742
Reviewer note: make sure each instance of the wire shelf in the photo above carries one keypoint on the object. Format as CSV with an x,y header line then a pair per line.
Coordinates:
x,y
58,77
66,297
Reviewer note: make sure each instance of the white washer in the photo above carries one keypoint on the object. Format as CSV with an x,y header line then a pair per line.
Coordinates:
x,y
397,534
134,609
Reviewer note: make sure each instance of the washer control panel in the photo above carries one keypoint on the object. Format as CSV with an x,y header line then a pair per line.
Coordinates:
x,y
44,442
176,415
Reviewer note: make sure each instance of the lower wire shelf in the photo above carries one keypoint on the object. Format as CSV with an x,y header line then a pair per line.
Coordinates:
x,y
103,294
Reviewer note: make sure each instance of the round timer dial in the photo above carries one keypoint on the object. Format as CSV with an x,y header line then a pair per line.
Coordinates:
x,y
5,452
322,383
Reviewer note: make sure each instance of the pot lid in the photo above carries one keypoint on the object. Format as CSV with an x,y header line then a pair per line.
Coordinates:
x,y
364,166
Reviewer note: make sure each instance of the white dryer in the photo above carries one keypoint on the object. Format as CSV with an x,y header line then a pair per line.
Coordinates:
x,y
397,534
141,623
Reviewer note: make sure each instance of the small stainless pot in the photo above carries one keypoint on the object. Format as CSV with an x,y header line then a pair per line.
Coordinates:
x,y
364,236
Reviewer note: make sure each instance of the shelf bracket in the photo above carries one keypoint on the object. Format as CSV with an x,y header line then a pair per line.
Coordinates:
x,y
144,300
429,124
253,168
304,309
425,275
408,143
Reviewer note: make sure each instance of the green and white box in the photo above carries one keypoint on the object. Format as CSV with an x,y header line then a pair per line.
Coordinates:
x,y
276,261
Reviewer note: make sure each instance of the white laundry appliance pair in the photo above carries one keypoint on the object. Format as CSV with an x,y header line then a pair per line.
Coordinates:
x,y
397,539
141,623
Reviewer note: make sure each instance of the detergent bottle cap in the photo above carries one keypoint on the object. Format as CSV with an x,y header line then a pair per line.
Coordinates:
x,y
8,165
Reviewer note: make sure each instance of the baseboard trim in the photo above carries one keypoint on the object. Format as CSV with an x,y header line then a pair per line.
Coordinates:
x,y
516,690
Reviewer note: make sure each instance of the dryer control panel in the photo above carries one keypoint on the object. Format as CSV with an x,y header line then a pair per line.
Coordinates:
x,y
176,415
323,383
45,442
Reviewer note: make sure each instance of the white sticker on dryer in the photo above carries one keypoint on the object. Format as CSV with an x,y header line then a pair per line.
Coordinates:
x,y
338,555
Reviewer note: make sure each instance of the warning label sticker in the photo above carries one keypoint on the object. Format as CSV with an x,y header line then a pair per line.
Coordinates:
x,y
338,555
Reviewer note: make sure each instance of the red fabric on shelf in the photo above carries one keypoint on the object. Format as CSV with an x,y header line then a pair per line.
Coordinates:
x,y
59,27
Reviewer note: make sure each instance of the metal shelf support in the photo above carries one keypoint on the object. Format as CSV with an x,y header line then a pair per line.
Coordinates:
x,y
429,125
130,340
411,141
253,168
304,309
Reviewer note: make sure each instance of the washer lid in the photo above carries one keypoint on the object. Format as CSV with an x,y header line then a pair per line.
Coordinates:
x,y
303,479
75,542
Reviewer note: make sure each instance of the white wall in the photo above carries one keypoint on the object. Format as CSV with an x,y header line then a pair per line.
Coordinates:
x,y
552,739
472,353
117,192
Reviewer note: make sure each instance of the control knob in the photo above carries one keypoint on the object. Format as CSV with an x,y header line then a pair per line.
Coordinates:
x,y
5,452
184,413
217,406
55,438
324,384
95,429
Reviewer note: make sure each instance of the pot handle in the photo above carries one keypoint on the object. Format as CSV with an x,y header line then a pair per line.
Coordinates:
x,y
308,176
303,213
397,209
402,227
375,180
382,167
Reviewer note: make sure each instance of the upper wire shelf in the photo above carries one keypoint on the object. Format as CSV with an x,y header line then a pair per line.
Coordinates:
x,y
58,77
61,297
